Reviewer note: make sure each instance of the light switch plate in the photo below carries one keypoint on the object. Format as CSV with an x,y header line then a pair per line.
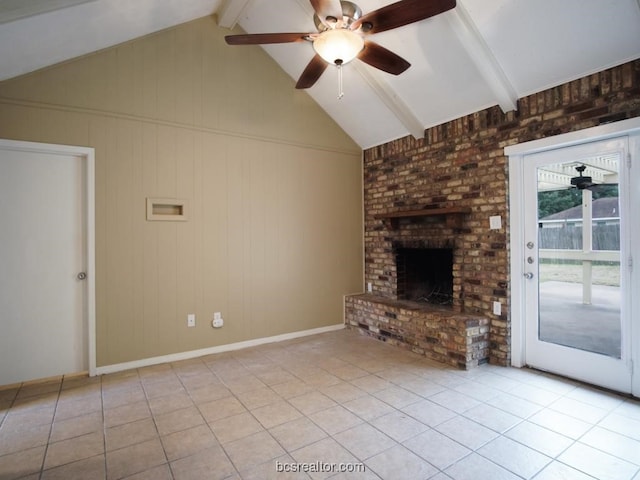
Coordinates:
x,y
495,222
497,308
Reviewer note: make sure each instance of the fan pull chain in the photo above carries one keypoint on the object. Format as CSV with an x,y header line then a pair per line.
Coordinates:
x,y
340,90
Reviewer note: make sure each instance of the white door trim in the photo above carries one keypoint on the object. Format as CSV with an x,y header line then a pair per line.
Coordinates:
x,y
87,155
516,154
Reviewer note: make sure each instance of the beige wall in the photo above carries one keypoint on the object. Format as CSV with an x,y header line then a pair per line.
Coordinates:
x,y
274,237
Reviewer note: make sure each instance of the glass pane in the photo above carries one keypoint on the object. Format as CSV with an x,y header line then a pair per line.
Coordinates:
x,y
579,255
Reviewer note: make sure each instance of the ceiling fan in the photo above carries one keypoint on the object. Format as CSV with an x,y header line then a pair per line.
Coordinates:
x,y
582,182
343,31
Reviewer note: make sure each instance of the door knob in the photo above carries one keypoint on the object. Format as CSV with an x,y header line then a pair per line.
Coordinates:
x,y
528,275
82,276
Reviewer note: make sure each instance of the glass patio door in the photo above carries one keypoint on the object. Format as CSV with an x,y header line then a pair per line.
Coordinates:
x,y
576,279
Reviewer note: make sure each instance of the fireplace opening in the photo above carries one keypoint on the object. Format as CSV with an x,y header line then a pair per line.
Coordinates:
x,y
425,275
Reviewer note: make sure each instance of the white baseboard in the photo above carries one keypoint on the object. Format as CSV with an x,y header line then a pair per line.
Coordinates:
x,y
176,357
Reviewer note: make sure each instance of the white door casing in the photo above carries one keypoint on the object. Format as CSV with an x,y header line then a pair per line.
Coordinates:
x,y
630,130
48,221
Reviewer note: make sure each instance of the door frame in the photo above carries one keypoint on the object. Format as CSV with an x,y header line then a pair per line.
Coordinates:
x,y
516,155
87,155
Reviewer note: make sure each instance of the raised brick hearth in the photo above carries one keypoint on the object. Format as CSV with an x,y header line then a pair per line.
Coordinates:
x,y
434,331
441,190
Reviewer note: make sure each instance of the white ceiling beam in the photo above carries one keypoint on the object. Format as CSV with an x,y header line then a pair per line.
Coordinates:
x,y
230,11
483,58
391,99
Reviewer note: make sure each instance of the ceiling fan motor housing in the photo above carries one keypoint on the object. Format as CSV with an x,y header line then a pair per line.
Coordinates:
x,y
350,13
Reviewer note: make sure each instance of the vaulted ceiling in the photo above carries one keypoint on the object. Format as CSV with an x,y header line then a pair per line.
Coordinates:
x,y
479,54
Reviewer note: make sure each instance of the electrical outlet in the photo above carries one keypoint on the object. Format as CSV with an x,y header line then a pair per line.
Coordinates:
x,y
369,287
497,308
191,320
217,315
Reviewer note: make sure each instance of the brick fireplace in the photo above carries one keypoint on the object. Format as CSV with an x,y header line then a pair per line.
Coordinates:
x,y
441,190
417,296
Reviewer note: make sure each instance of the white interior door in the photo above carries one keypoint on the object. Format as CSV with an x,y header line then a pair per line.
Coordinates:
x,y
575,263
43,299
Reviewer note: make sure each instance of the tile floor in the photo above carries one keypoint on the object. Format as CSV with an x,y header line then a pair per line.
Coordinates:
x,y
336,400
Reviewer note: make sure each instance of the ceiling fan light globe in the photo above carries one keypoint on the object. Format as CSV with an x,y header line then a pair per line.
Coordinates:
x,y
338,46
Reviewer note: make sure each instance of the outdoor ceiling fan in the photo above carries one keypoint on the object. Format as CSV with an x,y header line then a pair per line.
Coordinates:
x,y
343,31
582,182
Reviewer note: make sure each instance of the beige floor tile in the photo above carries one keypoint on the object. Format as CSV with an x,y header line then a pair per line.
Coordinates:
x,y
436,448
130,434
243,384
126,413
235,427
292,388
515,457
398,463
208,393
217,409
515,405
77,407
23,416
297,433
210,464
74,449
170,403
135,459
16,438
178,420
613,443
475,467
560,471
467,432
342,392
285,401
492,417
599,464
561,423
312,402
281,468
276,414
335,419
399,426
348,372
169,386
161,472
275,376
22,463
397,397
364,441
258,397
582,411
116,397
90,468
327,451
429,413
371,383
539,438
254,450
622,425
188,442
76,426
368,407
455,401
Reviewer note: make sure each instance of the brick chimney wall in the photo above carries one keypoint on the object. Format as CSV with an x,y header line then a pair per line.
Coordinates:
x,y
462,164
